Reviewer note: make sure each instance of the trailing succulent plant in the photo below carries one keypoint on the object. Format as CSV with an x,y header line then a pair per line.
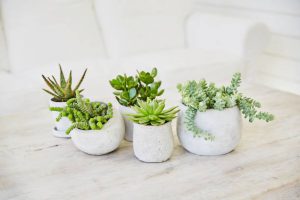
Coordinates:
x,y
84,114
152,112
129,89
200,96
62,91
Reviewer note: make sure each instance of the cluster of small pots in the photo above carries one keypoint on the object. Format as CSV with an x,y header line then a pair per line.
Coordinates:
x,y
156,143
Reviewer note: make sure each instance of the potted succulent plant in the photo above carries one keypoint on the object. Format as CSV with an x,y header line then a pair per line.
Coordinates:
x,y
209,122
61,92
129,89
96,127
152,132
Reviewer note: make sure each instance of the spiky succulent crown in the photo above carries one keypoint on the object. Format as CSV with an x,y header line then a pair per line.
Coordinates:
x,y
202,96
62,91
84,114
129,89
152,112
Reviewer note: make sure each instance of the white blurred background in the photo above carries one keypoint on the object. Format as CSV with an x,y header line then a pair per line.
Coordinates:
x,y
184,39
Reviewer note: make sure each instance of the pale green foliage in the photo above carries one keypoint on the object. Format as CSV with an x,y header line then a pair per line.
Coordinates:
x,y
202,96
62,91
189,119
152,112
84,114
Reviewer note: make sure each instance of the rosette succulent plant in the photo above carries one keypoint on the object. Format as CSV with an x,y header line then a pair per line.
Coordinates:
x,y
62,91
152,112
200,96
84,114
143,86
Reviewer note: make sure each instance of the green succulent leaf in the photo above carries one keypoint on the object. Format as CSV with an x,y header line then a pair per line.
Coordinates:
x,y
131,82
146,77
116,84
154,72
132,93
62,77
151,112
80,81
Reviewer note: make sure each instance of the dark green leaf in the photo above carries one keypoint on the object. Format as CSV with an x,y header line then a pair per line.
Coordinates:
x,y
154,72
146,77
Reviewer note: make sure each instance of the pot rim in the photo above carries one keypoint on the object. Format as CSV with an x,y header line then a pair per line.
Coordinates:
x,y
210,109
57,101
87,131
62,101
56,104
148,126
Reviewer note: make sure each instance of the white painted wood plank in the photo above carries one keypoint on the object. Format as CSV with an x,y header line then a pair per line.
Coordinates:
x,y
279,67
291,7
278,23
284,46
278,83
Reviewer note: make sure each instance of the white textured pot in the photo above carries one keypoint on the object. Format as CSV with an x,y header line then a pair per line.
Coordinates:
x,y
128,124
224,125
63,124
99,142
153,143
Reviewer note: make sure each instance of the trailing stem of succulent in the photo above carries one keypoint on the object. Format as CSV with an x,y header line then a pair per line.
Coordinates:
x,y
152,113
189,122
129,89
84,114
201,96
62,91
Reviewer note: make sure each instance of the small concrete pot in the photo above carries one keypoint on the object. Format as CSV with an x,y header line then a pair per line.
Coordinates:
x,y
128,124
224,125
62,125
99,142
153,143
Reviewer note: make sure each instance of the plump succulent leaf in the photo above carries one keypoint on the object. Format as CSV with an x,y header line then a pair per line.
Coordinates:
x,y
84,114
152,113
154,72
146,77
62,90
200,96
129,89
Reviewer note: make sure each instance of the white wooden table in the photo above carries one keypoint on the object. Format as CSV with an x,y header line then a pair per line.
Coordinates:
x,y
34,165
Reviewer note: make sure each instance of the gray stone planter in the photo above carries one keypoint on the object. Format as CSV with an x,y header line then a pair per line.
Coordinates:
x,y
224,125
153,143
128,124
99,142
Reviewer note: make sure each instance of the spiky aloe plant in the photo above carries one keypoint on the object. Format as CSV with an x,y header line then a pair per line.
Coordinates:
x,y
84,114
62,91
152,113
